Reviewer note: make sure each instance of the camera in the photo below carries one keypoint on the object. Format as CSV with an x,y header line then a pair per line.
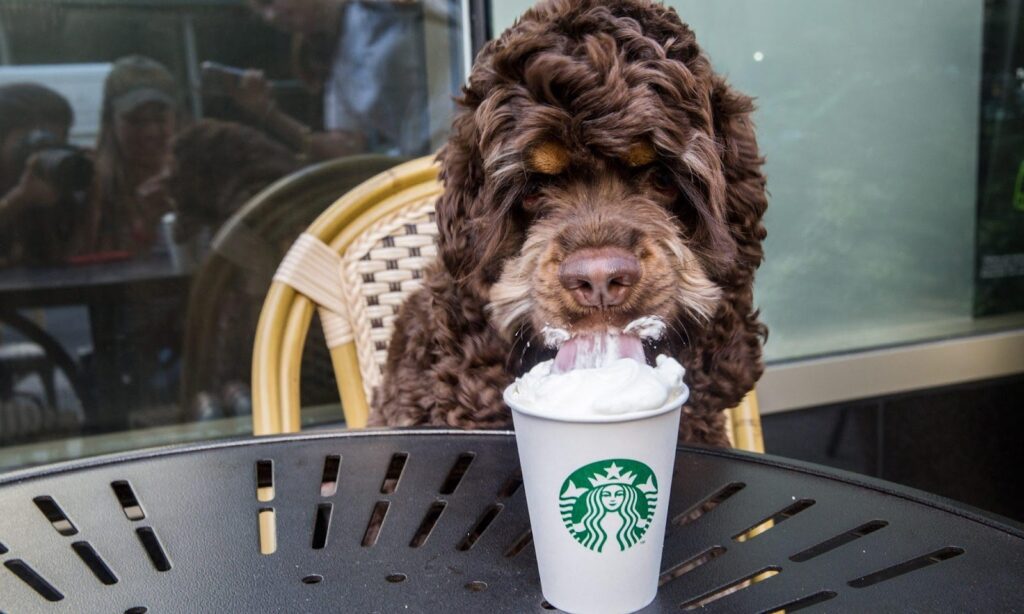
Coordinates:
x,y
48,233
65,167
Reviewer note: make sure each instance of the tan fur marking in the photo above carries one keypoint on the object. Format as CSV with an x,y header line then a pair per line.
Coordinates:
x,y
549,158
640,154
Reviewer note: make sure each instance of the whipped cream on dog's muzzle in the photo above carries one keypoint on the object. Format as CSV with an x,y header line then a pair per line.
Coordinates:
x,y
601,374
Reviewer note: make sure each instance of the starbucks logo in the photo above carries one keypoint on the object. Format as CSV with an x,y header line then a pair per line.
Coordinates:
x,y
610,500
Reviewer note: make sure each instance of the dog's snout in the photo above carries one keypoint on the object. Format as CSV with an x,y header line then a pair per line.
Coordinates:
x,y
601,277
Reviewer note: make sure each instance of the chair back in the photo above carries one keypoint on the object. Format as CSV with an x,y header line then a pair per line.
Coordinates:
x,y
378,240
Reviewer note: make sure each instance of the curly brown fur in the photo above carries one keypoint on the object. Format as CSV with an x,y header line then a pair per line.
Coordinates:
x,y
587,125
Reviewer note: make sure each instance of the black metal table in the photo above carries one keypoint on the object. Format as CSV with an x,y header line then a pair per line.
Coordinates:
x,y
420,521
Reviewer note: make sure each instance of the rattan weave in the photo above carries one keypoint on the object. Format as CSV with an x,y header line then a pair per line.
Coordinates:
x,y
379,271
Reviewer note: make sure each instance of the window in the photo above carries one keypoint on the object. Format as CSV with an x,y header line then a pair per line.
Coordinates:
x,y
142,144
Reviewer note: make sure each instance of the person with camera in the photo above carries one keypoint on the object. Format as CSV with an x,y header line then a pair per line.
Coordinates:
x,y
138,120
366,60
44,181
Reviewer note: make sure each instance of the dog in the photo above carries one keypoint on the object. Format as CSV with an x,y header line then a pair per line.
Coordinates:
x,y
216,167
598,172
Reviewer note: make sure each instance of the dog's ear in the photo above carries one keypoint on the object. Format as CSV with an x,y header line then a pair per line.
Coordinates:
x,y
462,173
745,196
730,363
474,213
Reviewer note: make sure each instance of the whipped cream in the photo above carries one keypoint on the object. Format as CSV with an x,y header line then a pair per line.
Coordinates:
x,y
617,387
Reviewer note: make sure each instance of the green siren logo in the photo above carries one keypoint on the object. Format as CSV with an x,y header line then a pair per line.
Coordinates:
x,y
613,499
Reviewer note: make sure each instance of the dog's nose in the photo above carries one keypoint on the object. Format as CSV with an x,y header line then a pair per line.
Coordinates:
x,y
599,277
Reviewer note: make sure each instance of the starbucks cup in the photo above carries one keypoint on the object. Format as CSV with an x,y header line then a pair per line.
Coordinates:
x,y
597,489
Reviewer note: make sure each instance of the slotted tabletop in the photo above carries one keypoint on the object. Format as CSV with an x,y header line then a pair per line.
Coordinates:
x,y
424,521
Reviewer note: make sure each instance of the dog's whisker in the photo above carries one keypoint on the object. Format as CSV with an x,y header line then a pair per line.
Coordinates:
x,y
680,333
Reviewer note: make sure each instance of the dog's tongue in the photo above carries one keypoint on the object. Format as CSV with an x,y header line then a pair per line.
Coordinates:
x,y
590,351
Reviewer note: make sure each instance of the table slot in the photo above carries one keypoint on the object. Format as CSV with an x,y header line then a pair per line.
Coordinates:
x,y
154,549
458,471
31,577
329,481
129,502
376,523
264,480
839,540
802,603
731,588
427,525
511,485
730,524
322,525
521,543
706,504
94,562
481,526
906,567
688,565
53,512
394,473
774,520
267,530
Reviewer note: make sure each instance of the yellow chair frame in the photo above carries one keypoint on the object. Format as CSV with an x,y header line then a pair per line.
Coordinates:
x,y
286,316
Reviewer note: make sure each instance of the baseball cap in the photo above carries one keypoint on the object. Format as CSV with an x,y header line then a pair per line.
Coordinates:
x,y
136,80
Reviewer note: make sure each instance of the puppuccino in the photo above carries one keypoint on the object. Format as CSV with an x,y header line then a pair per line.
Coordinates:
x,y
596,433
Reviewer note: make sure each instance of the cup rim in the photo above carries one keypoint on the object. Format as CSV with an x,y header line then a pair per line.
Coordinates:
x,y
675,403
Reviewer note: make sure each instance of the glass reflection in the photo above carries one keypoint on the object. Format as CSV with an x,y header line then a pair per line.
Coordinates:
x,y
137,232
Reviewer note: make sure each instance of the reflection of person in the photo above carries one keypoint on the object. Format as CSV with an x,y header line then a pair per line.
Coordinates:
x,y
367,60
32,118
138,120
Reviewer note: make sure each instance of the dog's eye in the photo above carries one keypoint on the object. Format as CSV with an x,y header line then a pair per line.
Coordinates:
x,y
663,181
533,206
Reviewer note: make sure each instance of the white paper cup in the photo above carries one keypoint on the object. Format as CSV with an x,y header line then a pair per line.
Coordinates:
x,y
597,490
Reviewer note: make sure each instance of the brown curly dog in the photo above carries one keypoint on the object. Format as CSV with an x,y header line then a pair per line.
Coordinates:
x,y
598,172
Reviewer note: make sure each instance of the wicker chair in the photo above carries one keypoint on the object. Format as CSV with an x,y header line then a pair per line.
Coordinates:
x,y
378,238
